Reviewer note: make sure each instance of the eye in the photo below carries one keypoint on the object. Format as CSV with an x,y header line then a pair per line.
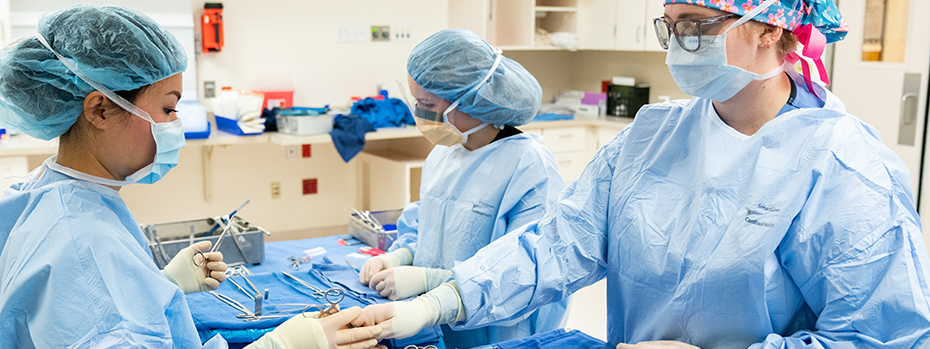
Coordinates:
x,y
169,111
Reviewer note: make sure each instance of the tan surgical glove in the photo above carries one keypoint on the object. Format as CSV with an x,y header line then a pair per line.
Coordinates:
x,y
330,332
393,259
192,279
406,281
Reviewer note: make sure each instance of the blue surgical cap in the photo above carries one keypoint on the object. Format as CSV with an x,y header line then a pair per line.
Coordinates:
x,y
119,48
451,62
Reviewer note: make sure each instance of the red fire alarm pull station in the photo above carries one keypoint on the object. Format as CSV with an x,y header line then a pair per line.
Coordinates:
x,y
212,27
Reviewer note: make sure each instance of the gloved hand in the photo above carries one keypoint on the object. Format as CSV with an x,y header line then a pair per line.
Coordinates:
x,y
657,345
329,332
442,305
192,279
393,259
406,281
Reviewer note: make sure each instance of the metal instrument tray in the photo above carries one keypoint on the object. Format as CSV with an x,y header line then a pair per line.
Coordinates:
x,y
243,244
369,234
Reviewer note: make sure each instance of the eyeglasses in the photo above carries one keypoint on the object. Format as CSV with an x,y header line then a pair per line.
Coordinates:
x,y
688,32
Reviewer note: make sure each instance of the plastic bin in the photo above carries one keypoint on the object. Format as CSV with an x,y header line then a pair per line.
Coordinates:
x,y
372,237
280,99
231,126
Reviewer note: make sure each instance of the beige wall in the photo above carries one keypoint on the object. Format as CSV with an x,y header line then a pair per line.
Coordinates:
x,y
584,70
296,39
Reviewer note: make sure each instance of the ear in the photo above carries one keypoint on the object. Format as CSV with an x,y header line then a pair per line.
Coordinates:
x,y
770,36
98,111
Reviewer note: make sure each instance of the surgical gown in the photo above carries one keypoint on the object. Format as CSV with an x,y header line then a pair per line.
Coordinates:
x,y
470,198
75,271
803,235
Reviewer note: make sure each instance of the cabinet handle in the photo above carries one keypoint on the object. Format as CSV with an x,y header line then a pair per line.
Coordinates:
x,y
639,29
906,117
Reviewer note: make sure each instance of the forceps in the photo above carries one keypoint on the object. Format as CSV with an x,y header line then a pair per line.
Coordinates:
x,y
228,223
318,293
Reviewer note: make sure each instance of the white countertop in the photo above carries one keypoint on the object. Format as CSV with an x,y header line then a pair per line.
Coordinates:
x,y
23,145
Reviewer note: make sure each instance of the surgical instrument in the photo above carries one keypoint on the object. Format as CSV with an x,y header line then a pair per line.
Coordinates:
x,y
352,265
295,262
318,293
333,304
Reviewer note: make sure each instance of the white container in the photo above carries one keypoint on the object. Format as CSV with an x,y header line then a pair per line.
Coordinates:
x,y
305,124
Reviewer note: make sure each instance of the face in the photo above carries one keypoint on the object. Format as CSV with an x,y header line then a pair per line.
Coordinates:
x,y
742,41
432,102
135,144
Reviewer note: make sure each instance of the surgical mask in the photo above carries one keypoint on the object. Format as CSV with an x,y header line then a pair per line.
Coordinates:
x,y
706,73
440,130
168,136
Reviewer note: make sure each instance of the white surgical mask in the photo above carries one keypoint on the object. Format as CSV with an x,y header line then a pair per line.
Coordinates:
x,y
705,73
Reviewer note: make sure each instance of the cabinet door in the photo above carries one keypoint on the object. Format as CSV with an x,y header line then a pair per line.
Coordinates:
x,y
597,24
631,29
654,9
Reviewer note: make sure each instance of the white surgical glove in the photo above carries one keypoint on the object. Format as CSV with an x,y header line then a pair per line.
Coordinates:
x,y
192,279
406,281
442,305
393,259
657,345
312,333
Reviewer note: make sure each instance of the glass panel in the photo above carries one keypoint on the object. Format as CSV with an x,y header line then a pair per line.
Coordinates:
x,y
884,35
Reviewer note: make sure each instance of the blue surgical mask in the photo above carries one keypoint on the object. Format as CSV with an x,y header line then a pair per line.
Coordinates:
x,y
168,136
705,73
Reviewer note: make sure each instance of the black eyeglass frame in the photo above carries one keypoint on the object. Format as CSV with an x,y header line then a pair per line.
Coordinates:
x,y
696,23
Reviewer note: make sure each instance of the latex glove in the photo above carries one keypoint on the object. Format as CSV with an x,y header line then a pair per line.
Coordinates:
x,y
404,319
328,332
657,345
406,281
376,264
192,279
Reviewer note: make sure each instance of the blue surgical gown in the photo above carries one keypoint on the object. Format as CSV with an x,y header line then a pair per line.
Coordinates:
x,y
803,235
75,271
470,198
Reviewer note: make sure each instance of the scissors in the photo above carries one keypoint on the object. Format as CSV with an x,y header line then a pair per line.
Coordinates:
x,y
333,303
416,347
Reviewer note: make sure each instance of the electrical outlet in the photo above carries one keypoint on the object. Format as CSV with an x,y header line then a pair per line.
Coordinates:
x,y
351,33
309,186
209,89
291,152
400,33
276,190
380,33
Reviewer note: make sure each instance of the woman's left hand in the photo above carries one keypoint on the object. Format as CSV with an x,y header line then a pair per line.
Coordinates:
x,y
657,345
192,279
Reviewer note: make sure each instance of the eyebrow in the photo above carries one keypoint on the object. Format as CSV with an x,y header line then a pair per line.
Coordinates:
x,y
690,15
175,93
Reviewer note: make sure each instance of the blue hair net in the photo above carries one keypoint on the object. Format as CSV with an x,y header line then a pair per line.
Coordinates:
x,y
119,48
451,62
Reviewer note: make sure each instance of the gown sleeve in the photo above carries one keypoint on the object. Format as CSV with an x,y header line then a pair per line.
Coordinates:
x,y
546,260
407,228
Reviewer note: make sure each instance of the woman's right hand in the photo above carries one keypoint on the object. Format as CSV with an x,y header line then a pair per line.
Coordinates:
x,y
330,332
371,267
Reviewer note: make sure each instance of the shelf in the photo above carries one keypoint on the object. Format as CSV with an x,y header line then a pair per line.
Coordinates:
x,y
555,9
531,48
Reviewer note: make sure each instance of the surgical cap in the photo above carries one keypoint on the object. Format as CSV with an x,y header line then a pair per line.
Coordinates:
x,y
119,48
788,14
451,62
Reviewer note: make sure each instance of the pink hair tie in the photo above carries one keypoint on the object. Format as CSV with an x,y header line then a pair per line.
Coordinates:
x,y
814,42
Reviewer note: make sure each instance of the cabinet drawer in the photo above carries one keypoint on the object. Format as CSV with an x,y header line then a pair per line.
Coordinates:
x,y
564,139
571,165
